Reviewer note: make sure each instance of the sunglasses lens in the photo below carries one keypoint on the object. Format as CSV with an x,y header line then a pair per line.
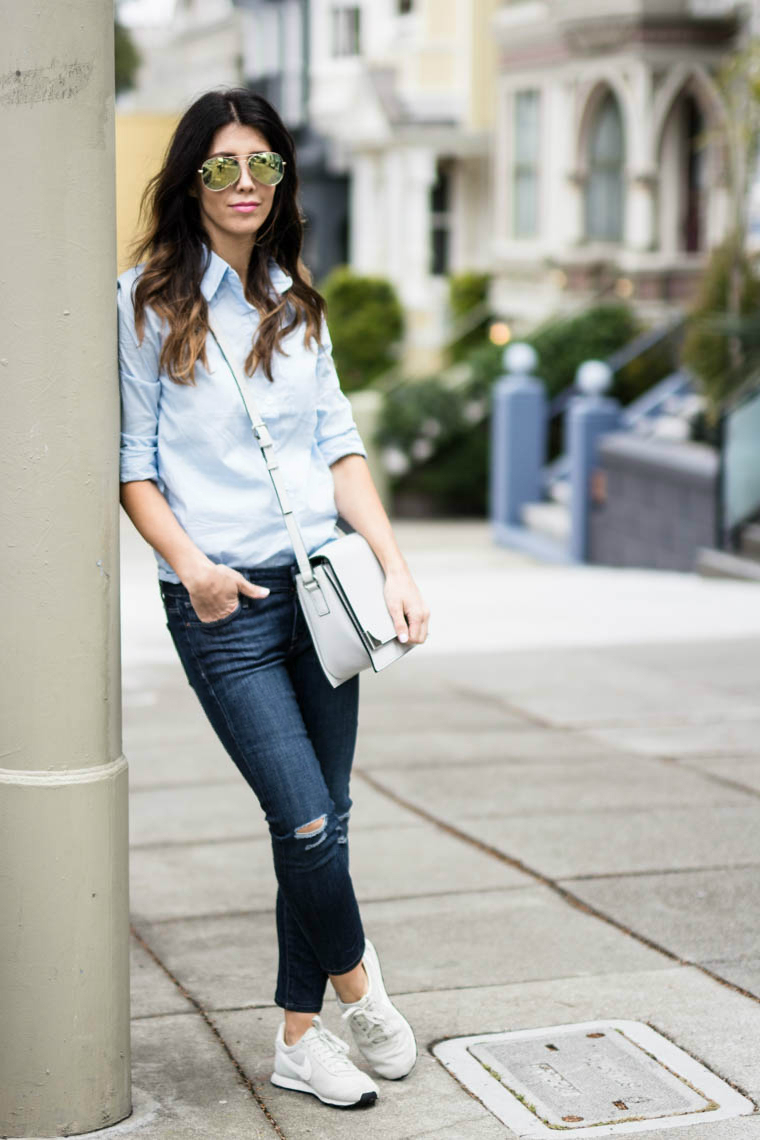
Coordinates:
x,y
219,173
266,167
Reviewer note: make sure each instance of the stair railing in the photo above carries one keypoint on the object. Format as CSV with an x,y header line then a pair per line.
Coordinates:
x,y
739,467
648,404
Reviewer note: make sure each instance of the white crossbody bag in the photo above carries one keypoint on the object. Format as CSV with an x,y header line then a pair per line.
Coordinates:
x,y
339,586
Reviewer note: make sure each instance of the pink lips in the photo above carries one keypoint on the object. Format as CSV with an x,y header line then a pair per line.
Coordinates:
x,y
245,207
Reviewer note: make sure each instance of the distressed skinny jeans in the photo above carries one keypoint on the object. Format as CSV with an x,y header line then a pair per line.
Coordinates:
x,y
292,736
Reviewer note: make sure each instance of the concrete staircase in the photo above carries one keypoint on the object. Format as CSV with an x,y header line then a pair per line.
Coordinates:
x,y
743,563
551,520
664,410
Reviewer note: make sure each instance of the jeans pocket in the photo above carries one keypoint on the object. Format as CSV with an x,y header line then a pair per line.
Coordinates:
x,y
192,617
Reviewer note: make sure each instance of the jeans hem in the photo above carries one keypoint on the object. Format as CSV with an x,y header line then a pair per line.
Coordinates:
x,y
351,967
307,1009
298,1008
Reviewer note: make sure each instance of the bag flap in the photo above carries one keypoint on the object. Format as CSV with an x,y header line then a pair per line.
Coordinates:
x,y
360,577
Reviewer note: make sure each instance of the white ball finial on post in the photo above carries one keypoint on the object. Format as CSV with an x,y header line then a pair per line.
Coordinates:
x,y
593,377
520,358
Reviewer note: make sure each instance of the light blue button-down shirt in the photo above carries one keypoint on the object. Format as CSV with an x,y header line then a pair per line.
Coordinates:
x,y
197,442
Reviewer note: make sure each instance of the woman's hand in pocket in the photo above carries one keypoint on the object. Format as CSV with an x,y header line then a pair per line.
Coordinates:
x,y
214,591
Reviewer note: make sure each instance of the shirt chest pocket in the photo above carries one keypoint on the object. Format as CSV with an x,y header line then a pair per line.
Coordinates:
x,y
294,392
288,407
290,398
212,419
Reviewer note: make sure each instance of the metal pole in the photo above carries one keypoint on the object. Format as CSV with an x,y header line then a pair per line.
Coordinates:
x,y
64,1029
589,415
518,436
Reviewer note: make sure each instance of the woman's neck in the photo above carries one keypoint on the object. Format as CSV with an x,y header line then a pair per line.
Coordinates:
x,y
236,253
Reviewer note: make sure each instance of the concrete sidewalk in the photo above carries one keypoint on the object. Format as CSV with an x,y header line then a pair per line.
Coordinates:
x,y
556,818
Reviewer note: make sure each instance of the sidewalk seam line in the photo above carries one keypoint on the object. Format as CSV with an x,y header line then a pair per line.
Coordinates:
x,y
214,1029
523,760
217,840
399,993
471,1119
523,715
573,900
254,912
141,789
604,809
715,777
664,871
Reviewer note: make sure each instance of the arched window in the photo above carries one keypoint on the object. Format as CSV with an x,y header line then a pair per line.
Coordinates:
x,y
526,163
604,188
440,217
692,233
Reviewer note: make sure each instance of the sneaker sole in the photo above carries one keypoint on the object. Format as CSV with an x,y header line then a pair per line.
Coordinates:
x,y
365,1100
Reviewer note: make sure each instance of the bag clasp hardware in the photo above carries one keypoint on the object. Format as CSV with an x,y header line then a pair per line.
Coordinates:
x,y
318,598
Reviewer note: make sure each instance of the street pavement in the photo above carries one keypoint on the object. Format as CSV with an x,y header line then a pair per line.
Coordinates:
x,y
556,819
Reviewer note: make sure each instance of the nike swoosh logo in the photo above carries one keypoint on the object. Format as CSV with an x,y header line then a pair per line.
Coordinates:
x,y
303,1069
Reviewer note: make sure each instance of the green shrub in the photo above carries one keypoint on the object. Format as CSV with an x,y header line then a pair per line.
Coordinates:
x,y
440,431
466,291
366,322
455,480
487,363
643,372
706,345
126,59
593,335
424,408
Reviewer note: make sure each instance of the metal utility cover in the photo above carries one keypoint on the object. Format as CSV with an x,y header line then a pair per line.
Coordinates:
x,y
598,1078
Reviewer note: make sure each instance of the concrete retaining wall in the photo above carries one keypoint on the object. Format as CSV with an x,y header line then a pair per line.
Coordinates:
x,y
654,502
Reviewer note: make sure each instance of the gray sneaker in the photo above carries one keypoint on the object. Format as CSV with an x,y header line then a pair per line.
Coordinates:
x,y
318,1064
383,1035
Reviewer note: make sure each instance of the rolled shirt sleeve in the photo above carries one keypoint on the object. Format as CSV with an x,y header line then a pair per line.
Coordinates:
x,y
140,391
336,432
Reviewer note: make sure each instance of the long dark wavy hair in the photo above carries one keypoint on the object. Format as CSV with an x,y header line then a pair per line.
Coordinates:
x,y
176,246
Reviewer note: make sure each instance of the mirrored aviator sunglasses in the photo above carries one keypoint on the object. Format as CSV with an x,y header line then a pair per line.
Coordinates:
x,y
221,171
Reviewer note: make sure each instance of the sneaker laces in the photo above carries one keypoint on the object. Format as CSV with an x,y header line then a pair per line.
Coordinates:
x,y
369,1020
330,1048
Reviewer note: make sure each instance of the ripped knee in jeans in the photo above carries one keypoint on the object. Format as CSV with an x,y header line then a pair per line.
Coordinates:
x,y
316,827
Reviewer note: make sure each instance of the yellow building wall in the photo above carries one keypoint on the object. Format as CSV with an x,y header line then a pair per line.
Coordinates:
x,y
437,63
483,65
141,142
440,19
435,70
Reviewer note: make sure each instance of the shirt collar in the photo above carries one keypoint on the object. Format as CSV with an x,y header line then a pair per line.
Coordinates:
x,y
217,267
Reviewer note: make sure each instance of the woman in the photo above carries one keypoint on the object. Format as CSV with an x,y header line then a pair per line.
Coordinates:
x,y
222,250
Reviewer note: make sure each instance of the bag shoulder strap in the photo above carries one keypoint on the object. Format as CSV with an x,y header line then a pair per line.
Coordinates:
x,y
266,445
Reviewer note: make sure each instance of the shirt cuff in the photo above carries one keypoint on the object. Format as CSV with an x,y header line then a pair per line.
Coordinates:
x,y
350,443
137,459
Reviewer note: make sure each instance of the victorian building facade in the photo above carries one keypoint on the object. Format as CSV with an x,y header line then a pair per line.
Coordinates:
x,y
404,91
571,148
610,164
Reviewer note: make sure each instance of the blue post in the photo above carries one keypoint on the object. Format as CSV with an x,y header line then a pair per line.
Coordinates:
x,y
589,415
518,436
